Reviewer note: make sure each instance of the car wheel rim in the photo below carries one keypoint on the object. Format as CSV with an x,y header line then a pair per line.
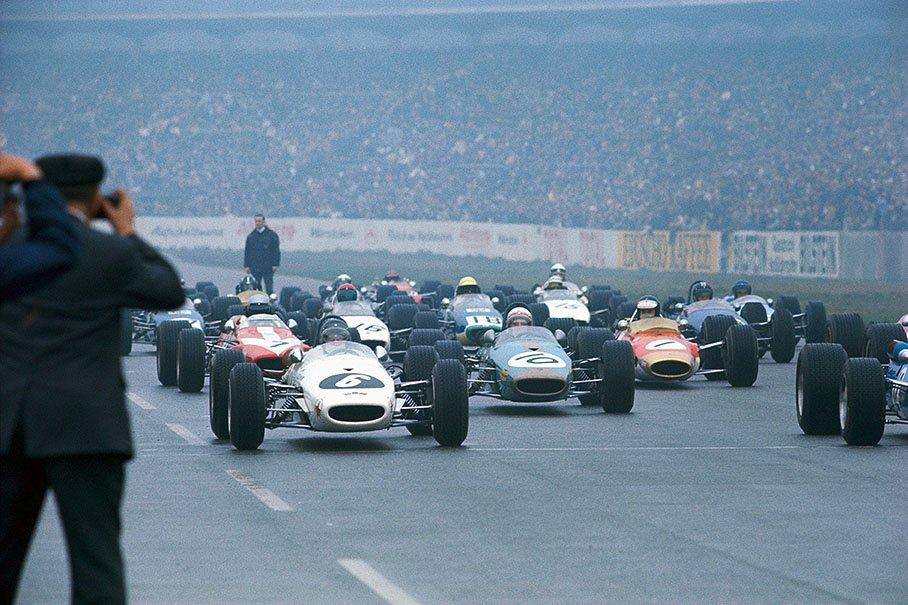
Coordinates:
x,y
843,406
799,395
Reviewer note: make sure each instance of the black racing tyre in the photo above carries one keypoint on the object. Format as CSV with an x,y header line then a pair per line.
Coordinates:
x,y
818,383
191,360
211,292
201,285
219,390
626,310
450,403
590,341
246,410
396,299
168,334
523,299
847,329
445,291
713,330
203,307
423,337
426,320
450,349
233,310
790,303
598,299
430,286
784,338
505,289
540,313
741,356
220,305
312,331
301,330
617,292
312,307
879,336
600,287
418,362
125,332
753,312
572,336
382,292
559,323
400,316
502,304
862,406
286,295
615,303
815,321
616,369
297,299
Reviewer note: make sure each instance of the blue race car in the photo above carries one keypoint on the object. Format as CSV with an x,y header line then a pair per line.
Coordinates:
x,y
861,401
468,316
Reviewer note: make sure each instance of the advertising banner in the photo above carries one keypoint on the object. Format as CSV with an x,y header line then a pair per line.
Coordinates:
x,y
793,253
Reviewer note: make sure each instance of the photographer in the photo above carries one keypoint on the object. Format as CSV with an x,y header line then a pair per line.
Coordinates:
x,y
63,419
49,248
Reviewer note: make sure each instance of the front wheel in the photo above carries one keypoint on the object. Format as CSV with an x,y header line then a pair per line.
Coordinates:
x,y
191,360
784,339
740,355
817,385
167,336
450,403
246,414
616,372
219,390
862,405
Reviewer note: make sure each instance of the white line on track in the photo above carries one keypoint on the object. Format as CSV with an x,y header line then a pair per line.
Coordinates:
x,y
140,401
380,585
187,435
265,495
668,448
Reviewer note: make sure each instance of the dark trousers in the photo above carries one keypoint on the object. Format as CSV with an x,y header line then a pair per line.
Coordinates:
x,y
265,280
88,490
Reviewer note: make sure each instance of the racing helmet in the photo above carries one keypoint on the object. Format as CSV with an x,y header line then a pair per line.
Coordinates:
x,y
346,292
556,282
392,276
259,304
741,288
518,316
647,307
247,283
343,278
333,329
467,285
702,291
558,269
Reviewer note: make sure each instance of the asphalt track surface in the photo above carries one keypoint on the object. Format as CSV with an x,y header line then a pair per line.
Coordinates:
x,y
703,494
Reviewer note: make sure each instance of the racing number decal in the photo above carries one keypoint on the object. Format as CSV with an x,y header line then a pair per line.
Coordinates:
x,y
483,319
371,328
350,380
665,345
536,359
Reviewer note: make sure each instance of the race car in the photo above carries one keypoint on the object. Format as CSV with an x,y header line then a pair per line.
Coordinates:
x,y
855,397
146,326
360,315
392,283
564,303
663,353
468,316
342,386
529,364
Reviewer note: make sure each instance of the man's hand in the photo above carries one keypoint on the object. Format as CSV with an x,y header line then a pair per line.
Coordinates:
x,y
274,269
246,269
15,168
123,216
9,220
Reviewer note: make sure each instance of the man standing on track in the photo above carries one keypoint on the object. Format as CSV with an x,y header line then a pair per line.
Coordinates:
x,y
63,419
263,254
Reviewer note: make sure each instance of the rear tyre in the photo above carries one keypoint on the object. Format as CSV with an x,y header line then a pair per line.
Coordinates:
x,y
626,310
211,292
246,412
740,356
167,337
788,302
713,330
191,360
425,337
879,336
297,300
540,313
450,349
862,406
220,305
847,329
219,390
286,296
426,320
312,307
784,339
753,313
587,345
560,323
301,330
400,316
616,369
817,387
815,322
501,304
234,310
450,403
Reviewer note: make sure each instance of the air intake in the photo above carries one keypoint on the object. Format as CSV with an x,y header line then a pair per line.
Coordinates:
x,y
540,386
356,413
670,368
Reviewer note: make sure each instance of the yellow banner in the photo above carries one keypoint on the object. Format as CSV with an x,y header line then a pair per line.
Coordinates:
x,y
690,251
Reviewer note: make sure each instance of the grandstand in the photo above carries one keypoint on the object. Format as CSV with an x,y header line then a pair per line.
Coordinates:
x,y
606,115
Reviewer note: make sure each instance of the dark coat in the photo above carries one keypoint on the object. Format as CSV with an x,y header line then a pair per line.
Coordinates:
x,y
60,377
262,251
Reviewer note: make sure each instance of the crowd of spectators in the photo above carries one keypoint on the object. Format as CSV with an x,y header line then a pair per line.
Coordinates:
x,y
756,138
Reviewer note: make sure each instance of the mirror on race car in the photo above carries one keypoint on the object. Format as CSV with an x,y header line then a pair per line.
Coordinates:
x,y
228,326
560,336
381,352
294,356
495,300
683,324
292,323
364,289
196,301
488,337
412,284
585,289
769,301
272,296
678,306
623,324
445,301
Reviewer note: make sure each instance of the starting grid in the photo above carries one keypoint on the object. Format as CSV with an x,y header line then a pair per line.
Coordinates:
x,y
785,253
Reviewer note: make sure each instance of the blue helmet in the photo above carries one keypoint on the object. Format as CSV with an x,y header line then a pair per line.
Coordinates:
x,y
741,288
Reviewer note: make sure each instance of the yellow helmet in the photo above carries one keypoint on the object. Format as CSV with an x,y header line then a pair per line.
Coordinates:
x,y
467,285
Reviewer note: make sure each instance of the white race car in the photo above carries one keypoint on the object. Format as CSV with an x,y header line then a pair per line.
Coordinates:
x,y
564,303
359,314
343,387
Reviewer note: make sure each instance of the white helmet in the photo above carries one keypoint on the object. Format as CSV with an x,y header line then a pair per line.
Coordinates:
x,y
519,316
557,269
